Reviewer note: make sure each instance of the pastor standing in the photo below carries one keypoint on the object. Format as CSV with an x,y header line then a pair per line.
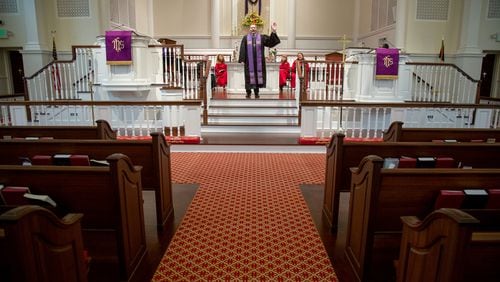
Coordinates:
x,y
252,54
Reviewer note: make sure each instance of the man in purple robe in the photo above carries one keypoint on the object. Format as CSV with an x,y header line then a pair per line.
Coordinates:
x,y
252,54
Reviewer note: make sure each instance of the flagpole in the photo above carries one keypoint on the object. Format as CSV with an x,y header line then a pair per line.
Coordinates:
x,y
344,41
91,82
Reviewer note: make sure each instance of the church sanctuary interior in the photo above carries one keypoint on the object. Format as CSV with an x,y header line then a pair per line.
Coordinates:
x,y
249,140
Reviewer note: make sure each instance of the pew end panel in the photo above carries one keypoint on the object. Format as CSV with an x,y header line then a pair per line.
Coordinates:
x,y
163,175
446,247
332,180
430,248
393,133
39,246
380,196
110,199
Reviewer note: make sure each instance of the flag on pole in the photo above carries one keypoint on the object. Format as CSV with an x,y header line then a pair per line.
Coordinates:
x,y
56,78
54,50
441,51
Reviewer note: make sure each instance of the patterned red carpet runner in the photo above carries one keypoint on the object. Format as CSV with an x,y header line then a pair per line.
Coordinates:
x,y
248,220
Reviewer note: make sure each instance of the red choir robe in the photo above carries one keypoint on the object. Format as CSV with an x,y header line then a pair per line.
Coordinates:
x,y
284,73
294,73
221,74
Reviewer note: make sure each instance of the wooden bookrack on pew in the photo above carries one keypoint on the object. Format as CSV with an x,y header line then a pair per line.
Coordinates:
x,y
341,156
57,243
153,155
379,197
396,133
110,198
102,131
450,245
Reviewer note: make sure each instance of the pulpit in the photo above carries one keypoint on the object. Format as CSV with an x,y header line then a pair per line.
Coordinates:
x,y
361,84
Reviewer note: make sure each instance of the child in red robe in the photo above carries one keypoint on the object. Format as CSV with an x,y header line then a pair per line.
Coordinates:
x,y
221,71
284,71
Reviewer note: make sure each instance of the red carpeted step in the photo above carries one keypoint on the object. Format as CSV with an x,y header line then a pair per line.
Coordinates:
x,y
169,139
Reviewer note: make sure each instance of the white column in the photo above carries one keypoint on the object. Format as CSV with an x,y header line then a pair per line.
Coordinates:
x,y
35,52
469,56
292,14
400,41
355,24
151,22
32,29
471,20
215,24
234,18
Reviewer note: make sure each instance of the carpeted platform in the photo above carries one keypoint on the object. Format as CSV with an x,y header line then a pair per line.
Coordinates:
x,y
248,220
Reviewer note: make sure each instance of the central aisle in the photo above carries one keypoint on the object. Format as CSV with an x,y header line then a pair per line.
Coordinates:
x,y
248,220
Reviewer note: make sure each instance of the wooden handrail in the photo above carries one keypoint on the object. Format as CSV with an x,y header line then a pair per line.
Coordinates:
x,y
445,64
396,105
103,103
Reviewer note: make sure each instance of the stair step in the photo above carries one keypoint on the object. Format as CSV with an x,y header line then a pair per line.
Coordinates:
x,y
251,128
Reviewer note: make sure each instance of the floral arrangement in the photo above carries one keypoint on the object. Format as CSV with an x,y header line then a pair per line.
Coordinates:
x,y
252,18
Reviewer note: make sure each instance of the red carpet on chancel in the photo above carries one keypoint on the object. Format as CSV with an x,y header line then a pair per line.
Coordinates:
x,y
248,221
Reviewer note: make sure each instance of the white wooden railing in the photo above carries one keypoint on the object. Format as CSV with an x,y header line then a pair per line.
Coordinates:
x,y
441,83
63,80
417,82
129,118
369,120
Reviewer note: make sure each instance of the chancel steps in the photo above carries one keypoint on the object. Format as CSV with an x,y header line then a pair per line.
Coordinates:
x,y
252,115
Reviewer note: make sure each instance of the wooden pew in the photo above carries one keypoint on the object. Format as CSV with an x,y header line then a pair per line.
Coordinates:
x,y
379,197
38,246
396,133
450,245
102,131
110,199
341,156
153,155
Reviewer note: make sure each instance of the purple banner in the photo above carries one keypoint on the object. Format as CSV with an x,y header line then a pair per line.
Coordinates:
x,y
119,47
387,63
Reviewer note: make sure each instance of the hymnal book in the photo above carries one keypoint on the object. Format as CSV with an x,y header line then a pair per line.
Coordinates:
x,y
41,160
82,160
449,199
491,140
31,138
47,138
426,162
445,162
14,195
7,137
391,162
99,162
477,141
407,162
25,161
40,199
493,199
475,199
450,141
61,159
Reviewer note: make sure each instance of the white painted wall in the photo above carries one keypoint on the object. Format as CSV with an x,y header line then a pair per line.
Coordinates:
x,y
488,28
181,18
425,36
